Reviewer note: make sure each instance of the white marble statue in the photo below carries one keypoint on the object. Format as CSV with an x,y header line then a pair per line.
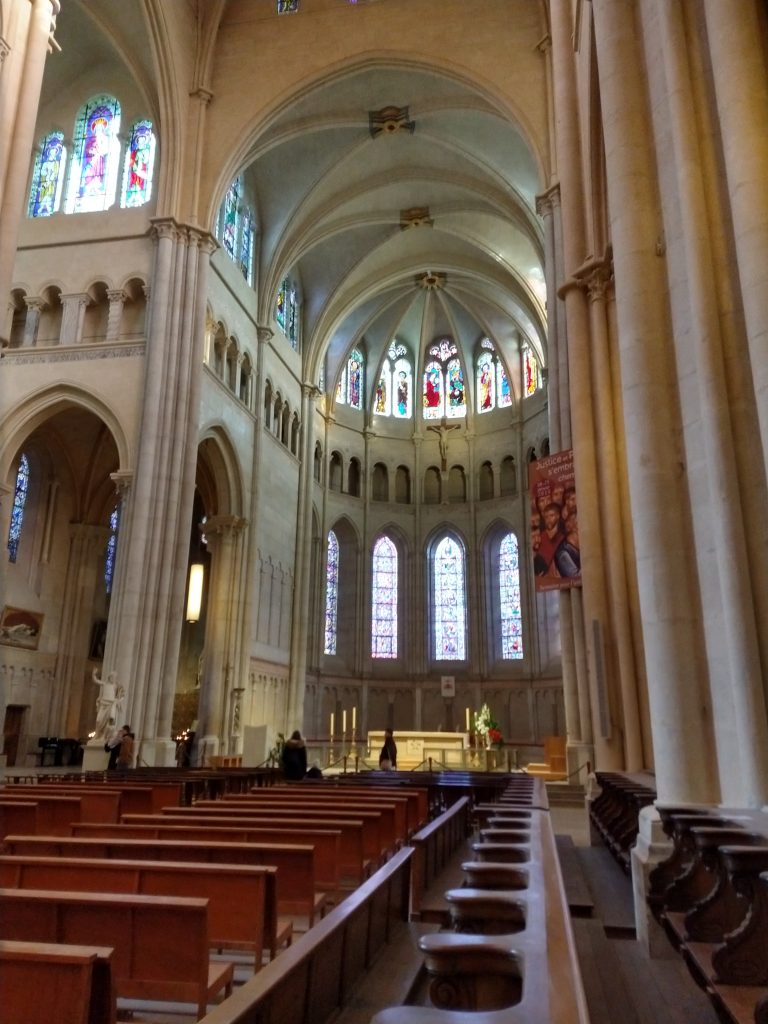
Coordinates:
x,y
109,704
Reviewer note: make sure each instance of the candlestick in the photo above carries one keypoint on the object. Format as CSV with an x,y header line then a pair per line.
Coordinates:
x,y
466,712
332,720
343,723
354,721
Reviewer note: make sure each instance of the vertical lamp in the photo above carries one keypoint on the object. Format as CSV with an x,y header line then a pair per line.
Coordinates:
x,y
195,592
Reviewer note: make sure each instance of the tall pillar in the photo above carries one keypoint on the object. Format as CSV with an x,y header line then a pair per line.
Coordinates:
x,y
682,726
22,79
302,575
35,307
735,39
73,317
156,543
116,297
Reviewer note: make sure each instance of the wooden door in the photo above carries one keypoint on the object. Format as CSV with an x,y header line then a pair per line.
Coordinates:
x,y
14,715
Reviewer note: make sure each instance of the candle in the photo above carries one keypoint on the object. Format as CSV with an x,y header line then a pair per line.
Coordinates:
x,y
466,712
332,726
343,723
354,721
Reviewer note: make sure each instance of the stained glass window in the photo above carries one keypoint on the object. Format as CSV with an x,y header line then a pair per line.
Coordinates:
x,y
449,601
382,403
292,313
48,176
287,6
530,373
246,247
457,399
139,165
17,512
505,395
486,380
355,379
331,593
230,218
109,561
433,391
280,306
402,390
95,156
384,612
341,387
509,599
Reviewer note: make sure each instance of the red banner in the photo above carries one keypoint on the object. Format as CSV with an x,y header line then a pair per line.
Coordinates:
x,y
554,522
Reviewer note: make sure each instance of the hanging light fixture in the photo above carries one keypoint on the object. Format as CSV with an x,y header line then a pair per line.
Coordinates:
x,y
195,592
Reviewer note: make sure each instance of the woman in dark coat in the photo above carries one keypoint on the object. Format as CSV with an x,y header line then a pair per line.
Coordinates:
x,y
388,755
294,757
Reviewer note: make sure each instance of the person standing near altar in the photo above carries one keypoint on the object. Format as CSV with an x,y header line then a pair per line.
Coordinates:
x,y
388,755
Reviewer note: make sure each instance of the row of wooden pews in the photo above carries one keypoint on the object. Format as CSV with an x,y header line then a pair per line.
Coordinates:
x,y
614,813
196,878
711,897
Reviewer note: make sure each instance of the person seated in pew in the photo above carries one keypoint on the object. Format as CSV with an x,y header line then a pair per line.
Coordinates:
x,y
294,757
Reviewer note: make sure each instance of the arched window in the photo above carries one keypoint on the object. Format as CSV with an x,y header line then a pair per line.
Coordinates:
x,y
17,512
486,382
402,390
485,484
502,382
353,478
230,216
384,600
139,165
48,176
394,391
286,312
443,391
449,625
380,482
403,485
509,599
331,594
530,373
355,379
382,403
109,561
508,476
246,247
95,156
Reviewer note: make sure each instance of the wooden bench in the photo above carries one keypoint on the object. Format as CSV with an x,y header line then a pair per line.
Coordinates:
x,y
417,797
70,984
325,842
55,814
239,910
354,866
17,816
160,943
297,893
434,845
96,803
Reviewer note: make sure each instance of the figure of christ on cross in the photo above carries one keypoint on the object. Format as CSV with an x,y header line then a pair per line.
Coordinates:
x,y
442,440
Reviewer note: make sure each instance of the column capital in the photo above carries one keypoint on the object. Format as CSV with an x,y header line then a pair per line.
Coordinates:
x,y
264,334
76,299
548,200
223,526
163,227
203,96
116,294
595,276
311,391
123,480
35,302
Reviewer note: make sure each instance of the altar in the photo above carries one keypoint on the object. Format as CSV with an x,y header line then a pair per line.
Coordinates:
x,y
415,747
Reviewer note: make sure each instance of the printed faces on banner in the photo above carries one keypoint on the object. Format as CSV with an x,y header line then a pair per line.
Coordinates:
x,y
554,523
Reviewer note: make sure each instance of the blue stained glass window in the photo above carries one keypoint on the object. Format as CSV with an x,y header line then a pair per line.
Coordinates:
x,y
139,165
449,598
457,400
384,614
95,156
17,512
331,593
280,306
505,395
246,248
509,599
109,561
355,379
287,6
48,176
293,317
230,218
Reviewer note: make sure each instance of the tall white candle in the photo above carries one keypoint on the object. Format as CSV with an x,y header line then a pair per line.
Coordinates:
x,y
332,720
466,711
354,721
343,723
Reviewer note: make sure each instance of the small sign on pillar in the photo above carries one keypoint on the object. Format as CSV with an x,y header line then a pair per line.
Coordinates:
x,y
448,686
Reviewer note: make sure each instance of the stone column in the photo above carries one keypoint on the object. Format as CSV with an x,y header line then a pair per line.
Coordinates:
x,y
735,37
302,574
682,726
116,297
223,633
156,544
35,307
749,783
73,317
22,72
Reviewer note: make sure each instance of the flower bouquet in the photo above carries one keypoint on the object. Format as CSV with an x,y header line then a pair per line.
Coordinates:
x,y
487,727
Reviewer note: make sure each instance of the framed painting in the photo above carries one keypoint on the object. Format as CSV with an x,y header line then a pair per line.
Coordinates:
x,y
20,628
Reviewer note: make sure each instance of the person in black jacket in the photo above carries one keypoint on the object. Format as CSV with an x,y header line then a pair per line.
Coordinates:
x,y
294,757
388,755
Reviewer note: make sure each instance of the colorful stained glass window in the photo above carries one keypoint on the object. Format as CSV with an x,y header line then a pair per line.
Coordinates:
x,y
287,6
402,390
139,165
17,512
530,373
509,599
331,593
384,601
109,561
449,601
505,395
280,305
341,387
292,314
443,349
382,403
457,399
95,156
230,218
246,247
355,379
48,176
486,382
432,397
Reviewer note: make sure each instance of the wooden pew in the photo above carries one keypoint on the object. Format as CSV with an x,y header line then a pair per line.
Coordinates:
x,y
96,803
55,814
417,797
434,845
354,865
239,911
160,943
146,797
42,982
297,892
17,816
325,842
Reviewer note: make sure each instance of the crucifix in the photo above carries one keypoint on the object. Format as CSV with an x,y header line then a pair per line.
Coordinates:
x,y
442,440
